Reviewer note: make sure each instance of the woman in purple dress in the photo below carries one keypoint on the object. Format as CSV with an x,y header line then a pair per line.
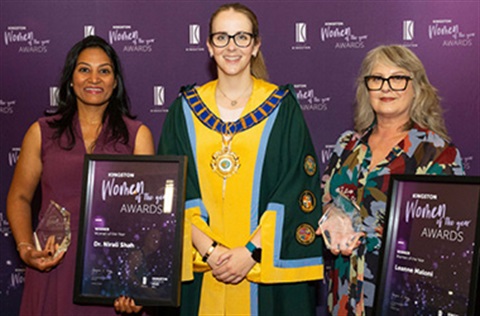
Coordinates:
x,y
93,117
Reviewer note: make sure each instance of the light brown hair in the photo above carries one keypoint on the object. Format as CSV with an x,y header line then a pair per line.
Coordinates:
x,y
425,110
258,68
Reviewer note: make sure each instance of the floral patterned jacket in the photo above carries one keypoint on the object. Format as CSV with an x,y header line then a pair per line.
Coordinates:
x,y
352,279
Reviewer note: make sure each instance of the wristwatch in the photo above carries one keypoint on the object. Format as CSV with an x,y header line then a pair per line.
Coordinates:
x,y
256,252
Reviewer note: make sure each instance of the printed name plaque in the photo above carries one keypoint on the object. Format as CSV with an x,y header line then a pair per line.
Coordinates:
x,y
430,255
131,227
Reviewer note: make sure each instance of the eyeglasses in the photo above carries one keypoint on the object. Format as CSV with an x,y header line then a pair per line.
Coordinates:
x,y
396,83
241,39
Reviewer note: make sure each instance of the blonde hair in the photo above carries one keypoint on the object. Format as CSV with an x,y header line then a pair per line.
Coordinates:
x,y
425,110
258,68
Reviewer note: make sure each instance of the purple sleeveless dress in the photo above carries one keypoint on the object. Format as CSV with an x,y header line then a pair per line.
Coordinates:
x,y
51,293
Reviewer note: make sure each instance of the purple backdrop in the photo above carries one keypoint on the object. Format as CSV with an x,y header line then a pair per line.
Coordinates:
x,y
315,45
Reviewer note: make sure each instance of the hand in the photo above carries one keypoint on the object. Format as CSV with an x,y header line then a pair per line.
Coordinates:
x,y
125,304
339,243
233,265
337,231
217,252
42,260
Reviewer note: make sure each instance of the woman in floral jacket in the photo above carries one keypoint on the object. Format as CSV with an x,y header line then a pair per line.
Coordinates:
x,y
399,129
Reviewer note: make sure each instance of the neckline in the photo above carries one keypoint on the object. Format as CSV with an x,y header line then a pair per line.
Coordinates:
x,y
248,120
233,103
230,115
80,135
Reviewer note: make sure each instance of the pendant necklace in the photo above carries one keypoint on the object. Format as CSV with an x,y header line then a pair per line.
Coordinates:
x,y
233,102
225,162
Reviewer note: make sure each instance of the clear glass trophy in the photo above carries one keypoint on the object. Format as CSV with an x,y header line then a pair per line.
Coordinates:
x,y
54,224
341,225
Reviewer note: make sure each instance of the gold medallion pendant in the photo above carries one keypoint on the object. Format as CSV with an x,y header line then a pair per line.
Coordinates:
x,y
225,162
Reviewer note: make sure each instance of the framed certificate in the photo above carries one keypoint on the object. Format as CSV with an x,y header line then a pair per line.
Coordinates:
x,y
430,256
130,233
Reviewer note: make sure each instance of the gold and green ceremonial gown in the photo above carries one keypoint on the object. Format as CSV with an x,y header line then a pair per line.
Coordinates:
x,y
275,186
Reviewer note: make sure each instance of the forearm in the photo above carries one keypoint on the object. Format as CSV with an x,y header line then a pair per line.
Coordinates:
x,y
19,215
201,242
24,184
205,245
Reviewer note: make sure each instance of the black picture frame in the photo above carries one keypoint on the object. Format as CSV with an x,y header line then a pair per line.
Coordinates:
x,y
131,229
430,255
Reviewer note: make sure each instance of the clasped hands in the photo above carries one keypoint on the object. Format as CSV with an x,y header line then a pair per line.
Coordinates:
x,y
230,266
337,230
42,260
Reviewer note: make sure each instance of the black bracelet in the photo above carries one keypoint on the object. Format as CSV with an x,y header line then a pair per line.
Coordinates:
x,y
209,251
256,252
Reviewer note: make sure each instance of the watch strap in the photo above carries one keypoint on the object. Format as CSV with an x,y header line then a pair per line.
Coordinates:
x,y
256,252
250,246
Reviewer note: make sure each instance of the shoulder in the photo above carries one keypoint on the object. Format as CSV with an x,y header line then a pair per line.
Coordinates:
x,y
347,137
347,141
442,156
132,124
32,139
140,136
43,125
144,141
264,85
183,91
419,136
34,130
143,130
45,120
288,88
286,93
175,108
187,87
190,88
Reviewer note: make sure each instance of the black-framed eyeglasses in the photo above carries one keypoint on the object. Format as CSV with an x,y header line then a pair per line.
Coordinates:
x,y
396,83
241,39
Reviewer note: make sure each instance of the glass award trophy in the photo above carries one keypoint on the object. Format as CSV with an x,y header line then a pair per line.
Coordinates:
x,y
54,224
341,225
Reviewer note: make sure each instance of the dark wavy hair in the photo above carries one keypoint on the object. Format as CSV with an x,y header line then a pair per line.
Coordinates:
x,y
118,105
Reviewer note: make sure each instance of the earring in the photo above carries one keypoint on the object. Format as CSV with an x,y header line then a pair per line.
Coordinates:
x,y
71,84
254,55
